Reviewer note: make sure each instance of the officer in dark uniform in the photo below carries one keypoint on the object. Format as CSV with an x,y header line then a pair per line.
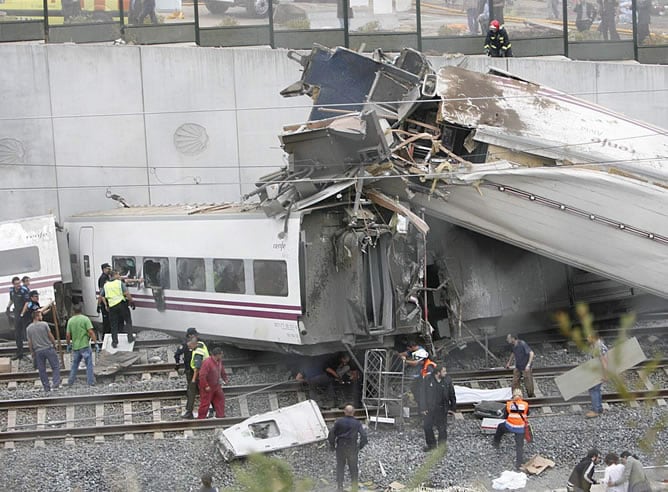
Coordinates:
x,y
186,352
343,439
101,308
437,399
19,295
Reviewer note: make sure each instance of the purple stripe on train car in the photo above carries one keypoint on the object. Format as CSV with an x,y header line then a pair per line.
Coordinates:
x,y
229,312
223,303
35,280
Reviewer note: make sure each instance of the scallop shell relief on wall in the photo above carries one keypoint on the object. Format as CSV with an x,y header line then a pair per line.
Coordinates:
x,y
12,151
191,139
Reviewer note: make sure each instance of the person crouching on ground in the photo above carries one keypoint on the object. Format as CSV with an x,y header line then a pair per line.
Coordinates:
x,y
517,411
210,390
497,42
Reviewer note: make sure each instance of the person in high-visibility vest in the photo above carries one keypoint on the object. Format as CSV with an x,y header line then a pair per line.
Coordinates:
x,y
517,411
113,294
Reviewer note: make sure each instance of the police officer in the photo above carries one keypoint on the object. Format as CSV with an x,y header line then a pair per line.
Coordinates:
x,y
437,399
343,439
186,352
101,308
199,353
19,295
113,294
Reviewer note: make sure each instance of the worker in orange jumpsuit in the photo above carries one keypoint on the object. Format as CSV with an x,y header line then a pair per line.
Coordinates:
x,y
210,390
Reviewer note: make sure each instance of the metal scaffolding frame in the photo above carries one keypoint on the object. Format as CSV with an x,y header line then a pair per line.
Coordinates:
x,y
383,387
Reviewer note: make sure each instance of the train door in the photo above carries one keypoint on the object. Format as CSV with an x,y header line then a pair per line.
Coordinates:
x,y
88,281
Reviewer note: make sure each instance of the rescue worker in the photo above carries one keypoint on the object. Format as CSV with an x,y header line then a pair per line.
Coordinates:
x,y
523,357
19,295
516,413
103,279
419,365
113,294
30,307
343,439
582,476
185,351
437,400
210,390
497,42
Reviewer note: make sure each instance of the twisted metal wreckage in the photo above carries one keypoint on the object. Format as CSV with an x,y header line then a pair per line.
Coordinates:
x,y
492,153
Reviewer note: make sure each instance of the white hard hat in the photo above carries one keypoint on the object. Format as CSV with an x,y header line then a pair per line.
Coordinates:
x,y
420,354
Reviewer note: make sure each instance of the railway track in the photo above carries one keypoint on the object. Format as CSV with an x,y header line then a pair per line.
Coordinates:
x,y
117,413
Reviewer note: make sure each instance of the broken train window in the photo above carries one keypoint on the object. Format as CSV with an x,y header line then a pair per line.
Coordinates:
x,y
156,272
229,276
264,430
125,265
190,274
270,277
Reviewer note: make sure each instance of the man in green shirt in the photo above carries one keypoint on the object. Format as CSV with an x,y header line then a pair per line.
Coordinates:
x,y
79,334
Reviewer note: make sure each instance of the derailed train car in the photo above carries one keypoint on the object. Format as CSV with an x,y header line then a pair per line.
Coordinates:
x,y
311,282
537,199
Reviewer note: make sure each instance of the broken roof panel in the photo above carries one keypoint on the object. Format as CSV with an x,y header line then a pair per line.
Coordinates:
x,y
522,115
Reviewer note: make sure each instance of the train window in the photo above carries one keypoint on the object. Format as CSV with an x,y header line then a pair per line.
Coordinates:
x,y
156,272
270,277
86,262
190,274
228,276
19,260
125,265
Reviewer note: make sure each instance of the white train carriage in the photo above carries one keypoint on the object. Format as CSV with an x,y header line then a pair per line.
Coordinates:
x,y
237,275
29,247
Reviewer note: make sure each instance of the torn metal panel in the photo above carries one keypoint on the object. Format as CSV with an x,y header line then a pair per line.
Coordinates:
x,y
622,357
332,146
287,427
341,80
571,129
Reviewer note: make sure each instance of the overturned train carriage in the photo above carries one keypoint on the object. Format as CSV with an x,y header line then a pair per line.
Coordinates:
x,y
308,282
536,199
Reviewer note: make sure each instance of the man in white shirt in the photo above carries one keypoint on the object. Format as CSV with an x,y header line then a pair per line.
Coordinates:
x,y
614,471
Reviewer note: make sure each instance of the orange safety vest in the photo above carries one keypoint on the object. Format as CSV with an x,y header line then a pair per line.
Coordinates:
x,y
425,367
517,413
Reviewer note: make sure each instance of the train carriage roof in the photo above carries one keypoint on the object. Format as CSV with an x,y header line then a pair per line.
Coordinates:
x,y
180,210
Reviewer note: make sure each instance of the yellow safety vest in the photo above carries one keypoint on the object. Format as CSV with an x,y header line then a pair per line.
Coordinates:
x,y
199,350
113,292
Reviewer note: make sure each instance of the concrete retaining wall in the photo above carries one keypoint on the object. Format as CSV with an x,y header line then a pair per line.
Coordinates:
x,y
185,124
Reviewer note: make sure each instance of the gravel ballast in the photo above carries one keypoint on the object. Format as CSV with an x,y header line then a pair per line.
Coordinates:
x,y
176,463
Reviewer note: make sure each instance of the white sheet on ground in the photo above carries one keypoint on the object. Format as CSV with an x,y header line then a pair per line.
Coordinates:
x,y
474,395
510,480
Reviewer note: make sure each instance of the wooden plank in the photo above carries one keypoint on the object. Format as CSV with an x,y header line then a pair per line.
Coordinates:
x,y
11,420
69,417
587,375
99,415
41,418
243,406
273,401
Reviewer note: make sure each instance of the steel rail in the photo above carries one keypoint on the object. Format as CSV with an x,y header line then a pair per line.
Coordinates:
x,y
142,428
236,363
9,349
94,398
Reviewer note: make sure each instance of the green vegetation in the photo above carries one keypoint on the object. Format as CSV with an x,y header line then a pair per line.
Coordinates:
x,y
265,474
